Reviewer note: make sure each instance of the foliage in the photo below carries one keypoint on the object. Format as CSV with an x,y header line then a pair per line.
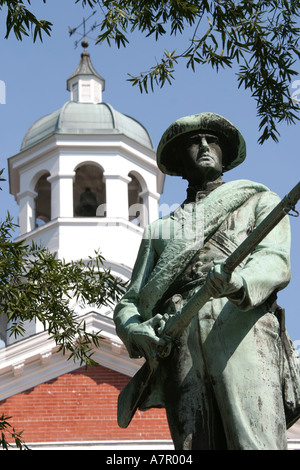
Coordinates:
x,y
7,428
260,37
36,286
21,20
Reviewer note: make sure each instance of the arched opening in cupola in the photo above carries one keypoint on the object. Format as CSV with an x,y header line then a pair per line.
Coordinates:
x,y
135,201
43,200
89,191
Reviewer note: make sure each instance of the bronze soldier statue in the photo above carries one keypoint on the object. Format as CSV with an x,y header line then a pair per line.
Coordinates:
x,y
222,383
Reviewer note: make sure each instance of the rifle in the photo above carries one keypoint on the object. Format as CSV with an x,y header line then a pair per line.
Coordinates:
x,y
132,395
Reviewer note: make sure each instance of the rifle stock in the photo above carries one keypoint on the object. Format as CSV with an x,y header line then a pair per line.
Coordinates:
x,y
133,393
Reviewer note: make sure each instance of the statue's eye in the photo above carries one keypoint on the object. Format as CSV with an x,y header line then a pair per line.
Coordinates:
x,y
212,140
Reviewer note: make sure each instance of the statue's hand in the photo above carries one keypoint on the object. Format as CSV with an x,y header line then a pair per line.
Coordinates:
x,y
221,284
144,337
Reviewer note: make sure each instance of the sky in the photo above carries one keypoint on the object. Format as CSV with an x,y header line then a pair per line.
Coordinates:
x,y
35,85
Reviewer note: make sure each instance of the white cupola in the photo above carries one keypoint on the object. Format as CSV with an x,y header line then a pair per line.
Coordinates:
x,y
86,177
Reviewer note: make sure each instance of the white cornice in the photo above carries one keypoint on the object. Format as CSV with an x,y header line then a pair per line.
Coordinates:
x,y
72,142
77,221
35,360
64,144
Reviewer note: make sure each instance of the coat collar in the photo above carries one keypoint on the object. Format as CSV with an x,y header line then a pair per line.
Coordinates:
x,y
195,193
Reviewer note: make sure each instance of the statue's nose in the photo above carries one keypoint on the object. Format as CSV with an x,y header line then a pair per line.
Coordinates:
x,y
204,145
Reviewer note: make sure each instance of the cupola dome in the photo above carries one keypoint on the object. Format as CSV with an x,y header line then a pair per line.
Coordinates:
x,y
85,113
86,118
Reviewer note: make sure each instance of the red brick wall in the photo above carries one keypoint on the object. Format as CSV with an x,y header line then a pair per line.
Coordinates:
x,y
80,406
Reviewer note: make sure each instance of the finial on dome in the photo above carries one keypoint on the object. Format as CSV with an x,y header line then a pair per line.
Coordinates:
x,y
84,44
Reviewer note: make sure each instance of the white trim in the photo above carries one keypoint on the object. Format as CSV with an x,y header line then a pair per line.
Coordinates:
x,y
124,179
74,221
65,143
28,193
151,445
104,445
59,176
293,444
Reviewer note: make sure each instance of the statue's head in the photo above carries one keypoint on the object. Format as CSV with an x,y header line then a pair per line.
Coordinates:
x,y
202,142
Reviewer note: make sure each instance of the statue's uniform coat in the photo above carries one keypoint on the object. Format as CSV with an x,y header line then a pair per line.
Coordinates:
x,y
228,368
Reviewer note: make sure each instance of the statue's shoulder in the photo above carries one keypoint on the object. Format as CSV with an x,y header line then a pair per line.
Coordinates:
x,y
261,198
254,188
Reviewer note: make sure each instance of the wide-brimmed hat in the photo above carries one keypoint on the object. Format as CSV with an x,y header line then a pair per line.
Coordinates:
x,y
170,162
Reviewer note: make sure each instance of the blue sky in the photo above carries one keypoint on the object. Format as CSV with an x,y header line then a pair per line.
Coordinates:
x,y
35,79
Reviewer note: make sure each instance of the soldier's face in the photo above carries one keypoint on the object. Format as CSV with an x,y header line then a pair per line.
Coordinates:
x,y
202,158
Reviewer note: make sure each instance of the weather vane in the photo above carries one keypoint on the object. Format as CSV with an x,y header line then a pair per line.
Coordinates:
x,y
85,33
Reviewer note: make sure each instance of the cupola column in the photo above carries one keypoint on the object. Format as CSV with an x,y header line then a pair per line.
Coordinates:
x,y
62,195
116,196
150,201
26,201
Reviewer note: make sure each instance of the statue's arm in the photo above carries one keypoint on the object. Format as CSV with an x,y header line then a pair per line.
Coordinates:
x,y
266,270
127,314
268,267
